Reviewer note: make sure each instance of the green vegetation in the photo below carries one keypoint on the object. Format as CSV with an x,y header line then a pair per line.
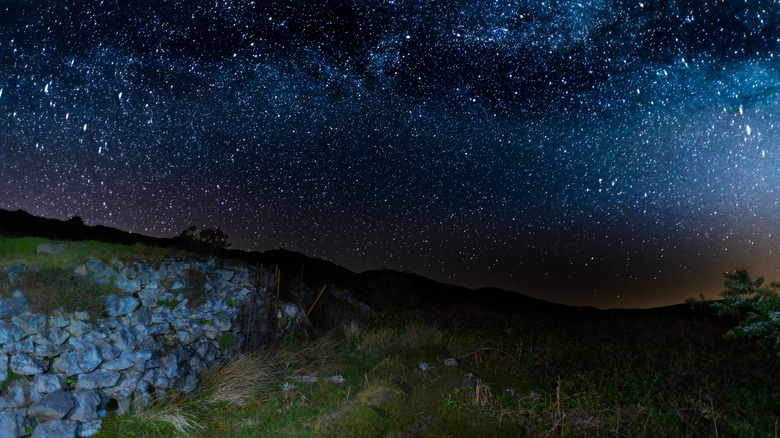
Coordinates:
x,y
756,307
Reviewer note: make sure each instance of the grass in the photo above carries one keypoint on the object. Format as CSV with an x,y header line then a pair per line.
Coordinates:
x,y
51,288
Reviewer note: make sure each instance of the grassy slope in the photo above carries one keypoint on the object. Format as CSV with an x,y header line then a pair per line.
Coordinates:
x,y
641,373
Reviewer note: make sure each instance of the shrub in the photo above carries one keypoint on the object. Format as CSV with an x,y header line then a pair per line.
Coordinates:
x,y
757,307
207,240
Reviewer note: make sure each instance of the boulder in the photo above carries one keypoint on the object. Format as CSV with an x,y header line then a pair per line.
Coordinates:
x,y
97,379
46,383
119,364
121,305
78,362
78,327
45,248
56,429
27,365
86,409
52,350
16,305
80,270
17,395
3,367
57,319
25,346
50,336
129,286
53,406
95,266
12,423
31,323
10,332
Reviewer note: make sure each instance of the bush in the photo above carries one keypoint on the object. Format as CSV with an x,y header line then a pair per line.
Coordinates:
x,y
207,240
757,307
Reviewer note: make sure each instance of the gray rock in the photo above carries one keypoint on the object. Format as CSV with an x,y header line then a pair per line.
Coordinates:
x,y
80,316
95,266
17,395
122,391
50,335
222,275
53,406
97,379
57,319
86,409
27,365
141,317
10,332
52,350
138,357
78,362
187,384
128,286
45,248
31,323
46,383
222,323
90,428
56,429
149,296
121,305
3,367
124,338
80,270
25,346
450,362
162,315
158,329
12,423
189,336
16,305
78,327
107,351
169,368
118,364
153,362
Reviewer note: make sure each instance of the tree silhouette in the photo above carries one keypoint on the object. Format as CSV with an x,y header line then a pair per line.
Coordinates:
x,y
207,240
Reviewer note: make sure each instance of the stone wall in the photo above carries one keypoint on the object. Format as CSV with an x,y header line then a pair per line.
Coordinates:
x,y
61,373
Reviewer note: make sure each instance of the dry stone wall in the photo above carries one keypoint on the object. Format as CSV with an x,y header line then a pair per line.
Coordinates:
x,y
61,373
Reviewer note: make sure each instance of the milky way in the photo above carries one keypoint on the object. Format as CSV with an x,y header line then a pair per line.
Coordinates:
x,y
604,152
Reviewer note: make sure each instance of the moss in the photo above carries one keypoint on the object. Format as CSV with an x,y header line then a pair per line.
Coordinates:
x,y
356,421
226,341
12,377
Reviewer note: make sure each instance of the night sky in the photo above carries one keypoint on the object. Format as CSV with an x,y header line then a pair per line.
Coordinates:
x,y
614,153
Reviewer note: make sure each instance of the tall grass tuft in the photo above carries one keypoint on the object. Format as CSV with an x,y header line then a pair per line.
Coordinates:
x,y
236,381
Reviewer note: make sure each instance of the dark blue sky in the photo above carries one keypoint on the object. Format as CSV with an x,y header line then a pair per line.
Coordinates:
x,y
606,152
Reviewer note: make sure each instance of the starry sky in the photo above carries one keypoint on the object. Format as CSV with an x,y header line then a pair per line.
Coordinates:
x,y
612,153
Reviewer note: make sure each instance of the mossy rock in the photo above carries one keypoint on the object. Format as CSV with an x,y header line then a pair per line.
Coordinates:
x,y
355,421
